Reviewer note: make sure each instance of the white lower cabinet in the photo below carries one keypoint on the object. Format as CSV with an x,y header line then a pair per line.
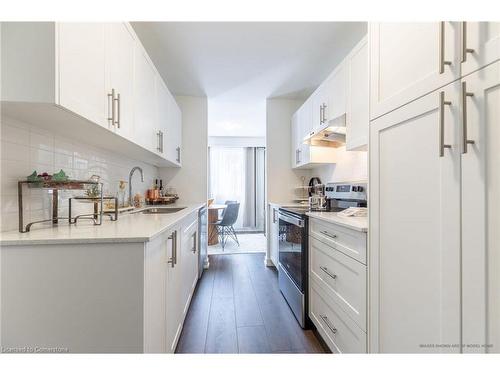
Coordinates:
x,y
335,327
274,228
337,288
171,274
434,243
480,200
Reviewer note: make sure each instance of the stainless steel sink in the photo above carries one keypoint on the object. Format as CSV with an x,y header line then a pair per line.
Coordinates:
x,y
162,210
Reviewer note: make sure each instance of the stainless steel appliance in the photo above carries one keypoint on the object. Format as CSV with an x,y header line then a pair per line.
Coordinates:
x,y
293,243
202,240
292,267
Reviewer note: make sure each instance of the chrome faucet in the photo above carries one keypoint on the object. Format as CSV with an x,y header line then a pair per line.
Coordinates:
x,y
130,198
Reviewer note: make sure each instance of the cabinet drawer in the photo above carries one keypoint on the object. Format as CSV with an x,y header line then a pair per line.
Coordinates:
x,y
348,241
340,333
342,279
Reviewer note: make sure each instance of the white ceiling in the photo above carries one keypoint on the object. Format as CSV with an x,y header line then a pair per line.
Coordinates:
x,y
238,65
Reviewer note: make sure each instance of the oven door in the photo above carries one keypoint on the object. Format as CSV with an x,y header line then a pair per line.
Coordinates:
x,y
292,247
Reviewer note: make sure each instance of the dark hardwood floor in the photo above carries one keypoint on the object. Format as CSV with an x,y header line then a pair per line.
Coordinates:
x,y
238,308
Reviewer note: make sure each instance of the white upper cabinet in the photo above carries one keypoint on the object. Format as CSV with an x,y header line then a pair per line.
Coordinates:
x,y
174,136
145,103
82,74
163,104
480,45
357,113
409,60
336,94
329,100
318,100
120,49
294,137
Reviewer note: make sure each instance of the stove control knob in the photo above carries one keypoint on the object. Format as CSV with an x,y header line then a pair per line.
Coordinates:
x,y
360,189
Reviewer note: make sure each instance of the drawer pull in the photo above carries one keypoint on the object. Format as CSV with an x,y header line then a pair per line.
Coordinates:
x,y
328,324
328,234
325,270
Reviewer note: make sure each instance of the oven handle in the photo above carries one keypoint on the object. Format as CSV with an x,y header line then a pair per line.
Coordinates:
x,y
291,220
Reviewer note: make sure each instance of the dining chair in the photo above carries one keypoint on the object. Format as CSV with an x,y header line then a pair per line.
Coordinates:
x,y
225,226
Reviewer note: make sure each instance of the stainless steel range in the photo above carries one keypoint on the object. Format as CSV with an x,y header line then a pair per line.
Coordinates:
x,y
293,243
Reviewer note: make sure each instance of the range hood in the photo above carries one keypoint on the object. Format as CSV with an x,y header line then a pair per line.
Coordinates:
x,y
332,135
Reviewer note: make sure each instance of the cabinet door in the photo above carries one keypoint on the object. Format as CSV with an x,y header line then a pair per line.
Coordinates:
x,y
175,139
145,103
415,227
120,48
304,130
409,60
480,45
273,234
318,100
174,306
336,94
162,131
357,114
294,142
305,118
81,65
155,276
189,263
480,210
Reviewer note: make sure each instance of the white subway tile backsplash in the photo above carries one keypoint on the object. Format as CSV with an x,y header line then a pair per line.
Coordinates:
x,y
15,134
26,148
42,141
14,151
63,161
63,146
40,156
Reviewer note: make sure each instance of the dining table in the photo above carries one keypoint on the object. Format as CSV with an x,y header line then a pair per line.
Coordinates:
x,y
213,217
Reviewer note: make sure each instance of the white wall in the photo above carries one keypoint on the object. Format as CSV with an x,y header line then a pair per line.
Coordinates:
x,y
190,181
350,166
281,178
26,147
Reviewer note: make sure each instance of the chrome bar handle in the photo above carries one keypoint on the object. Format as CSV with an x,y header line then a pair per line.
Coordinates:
x,y
321,114
299,152
327,271
328,234
158,148
194,242
442,103
465,141
178,149
324,112
442,61
117,100
111,104
162,143
173,260
465,50
328,324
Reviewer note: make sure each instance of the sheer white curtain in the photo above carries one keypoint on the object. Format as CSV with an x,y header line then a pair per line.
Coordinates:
x,y
228,167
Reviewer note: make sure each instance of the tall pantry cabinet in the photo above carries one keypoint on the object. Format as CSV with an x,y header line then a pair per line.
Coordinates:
x,y
434,188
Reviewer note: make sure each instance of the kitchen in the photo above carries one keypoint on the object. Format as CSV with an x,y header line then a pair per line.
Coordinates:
x,y
380,178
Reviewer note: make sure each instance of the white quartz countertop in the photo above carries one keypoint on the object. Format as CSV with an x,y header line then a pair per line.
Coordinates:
x,y
356,223
130,227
